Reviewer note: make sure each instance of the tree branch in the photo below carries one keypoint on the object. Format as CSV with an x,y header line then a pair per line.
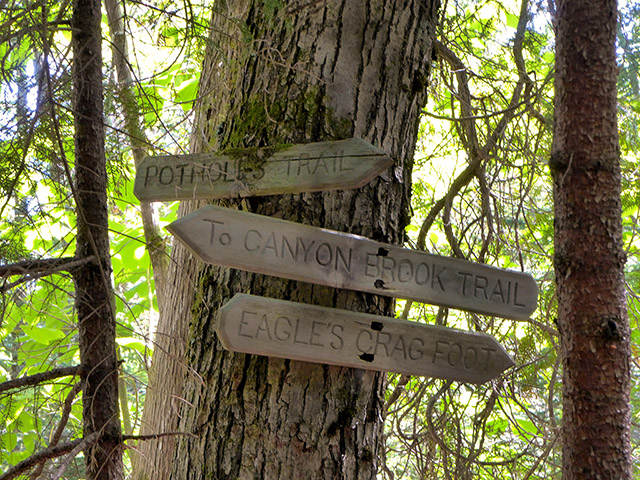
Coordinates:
x,y
33,269
40,378
44,455
477,154
64,418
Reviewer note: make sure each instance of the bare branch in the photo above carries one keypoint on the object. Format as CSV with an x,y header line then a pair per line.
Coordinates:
x,y
81,445
33,269
64,418
40,378
46,454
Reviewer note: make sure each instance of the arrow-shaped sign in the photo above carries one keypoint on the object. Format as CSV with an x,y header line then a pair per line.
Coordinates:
x,y
296,331
247,172
272,246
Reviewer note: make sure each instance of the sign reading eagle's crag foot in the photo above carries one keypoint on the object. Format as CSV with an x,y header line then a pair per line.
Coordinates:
x,y
277,328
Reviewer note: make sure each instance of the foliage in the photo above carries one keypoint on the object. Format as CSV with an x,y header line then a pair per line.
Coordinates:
x,y
501,214
38,329
481,191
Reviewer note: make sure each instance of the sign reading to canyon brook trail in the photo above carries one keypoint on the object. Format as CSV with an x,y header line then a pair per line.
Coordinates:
x,y
296,331
244,172
277,247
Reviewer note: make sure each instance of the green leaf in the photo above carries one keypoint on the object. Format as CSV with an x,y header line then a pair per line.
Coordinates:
x,y
527,430
512,20
187,92
43,335
497,426
132,343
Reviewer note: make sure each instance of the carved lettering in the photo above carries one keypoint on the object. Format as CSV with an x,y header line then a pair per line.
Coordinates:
x,y
422,274
244,323
312,333
337,342
296,338
166,173
181,167
251,243
324,254
416,348
285,242
282,329
515,297
489,352
270,244
400,347
499,292
483,288
149,175
405,271
273,244
464,276
344,259
382,339
480,284
312,166
315,334
469,357
371,265
454,355
263,328
212,236
435,277
217,171
388,269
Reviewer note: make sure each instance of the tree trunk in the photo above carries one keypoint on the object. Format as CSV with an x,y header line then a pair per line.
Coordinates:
x,y
96,317
134,128
589,256
295,74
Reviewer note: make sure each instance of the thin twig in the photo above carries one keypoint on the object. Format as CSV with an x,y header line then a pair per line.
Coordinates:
x,y
64,418
81,445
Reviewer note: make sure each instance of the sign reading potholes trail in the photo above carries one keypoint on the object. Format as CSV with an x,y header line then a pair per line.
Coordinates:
x,y
245,172
296,331
277,247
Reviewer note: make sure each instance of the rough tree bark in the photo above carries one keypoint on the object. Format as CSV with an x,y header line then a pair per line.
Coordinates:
x,y
589,257
292,73
94,296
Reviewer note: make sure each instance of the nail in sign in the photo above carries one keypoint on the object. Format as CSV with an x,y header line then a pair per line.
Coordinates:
x,y
245,172
277,247
296,331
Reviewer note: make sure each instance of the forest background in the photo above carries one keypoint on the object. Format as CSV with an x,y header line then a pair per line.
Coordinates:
x,y
496,210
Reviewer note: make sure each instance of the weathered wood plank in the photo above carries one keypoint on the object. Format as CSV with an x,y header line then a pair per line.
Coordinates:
x,y
246,172
277,247
278,328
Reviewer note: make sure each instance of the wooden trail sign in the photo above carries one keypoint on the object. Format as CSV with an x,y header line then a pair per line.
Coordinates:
x,y
272,246
296,331
247,172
